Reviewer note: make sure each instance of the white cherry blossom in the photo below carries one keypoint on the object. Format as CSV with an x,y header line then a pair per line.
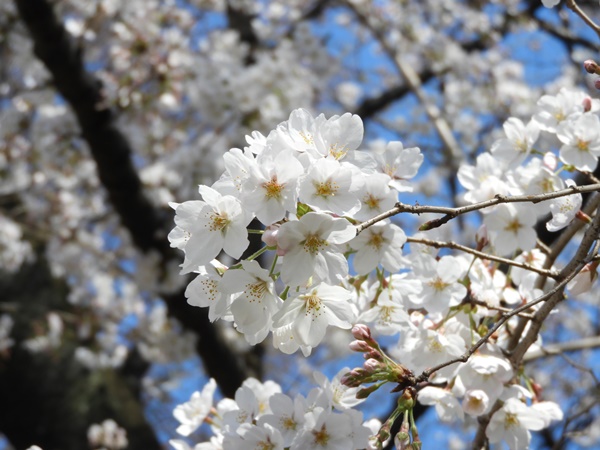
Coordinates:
x,y
310,248
312,312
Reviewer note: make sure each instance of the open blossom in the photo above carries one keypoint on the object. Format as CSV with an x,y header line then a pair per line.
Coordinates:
x,y
399,163
331,186
441,288
287,416
376,197
271,187
483,180
552,110
310,248
515,419
325,430
382,244
312,312
192,413
511,227
581,141
446,404
204,228
249,436
518,143
253,300
564,209
204,291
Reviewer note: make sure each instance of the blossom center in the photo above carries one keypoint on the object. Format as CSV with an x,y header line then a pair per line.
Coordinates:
x,y
210,289
273,188
521,145
371,201
435,345
376,240
265,445
256,291
321,437
288,423
510,420
218,222
438,284
306,137
389,170
326,188
313,304
582,145
314,244
338,151
513,226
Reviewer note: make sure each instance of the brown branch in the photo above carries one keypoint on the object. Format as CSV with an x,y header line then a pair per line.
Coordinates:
x,y
112,153
559,348
482,255
451,213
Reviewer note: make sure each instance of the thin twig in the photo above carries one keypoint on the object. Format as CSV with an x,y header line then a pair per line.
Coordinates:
x,y
451,213
482,255
573,6
559,348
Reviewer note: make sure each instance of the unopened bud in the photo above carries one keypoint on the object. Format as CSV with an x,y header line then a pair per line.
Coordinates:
x,y
359,346
366,391
587,104
597,84
591,66
384,432
402,440
482,238
583,217
269,237
361,332
372,366
373,354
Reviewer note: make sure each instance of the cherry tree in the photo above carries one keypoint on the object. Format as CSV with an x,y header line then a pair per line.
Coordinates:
x,y
257,192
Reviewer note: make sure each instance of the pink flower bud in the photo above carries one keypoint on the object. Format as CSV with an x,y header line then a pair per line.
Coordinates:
x,y
481,237
359,346
372,365
597,84
269,237
587,104
590,66
550,161
584,280
361,332
373,354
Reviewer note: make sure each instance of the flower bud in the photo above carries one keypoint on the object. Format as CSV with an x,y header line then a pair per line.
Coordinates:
x,y
550,160
402,440
269,237
587,104
481,237
366,391
590,66
359,346
583,281
475,402
373,354
372,366
361,332
597,84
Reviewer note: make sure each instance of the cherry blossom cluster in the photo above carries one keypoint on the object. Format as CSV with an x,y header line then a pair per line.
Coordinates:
x,y
336,258
307,183
261,416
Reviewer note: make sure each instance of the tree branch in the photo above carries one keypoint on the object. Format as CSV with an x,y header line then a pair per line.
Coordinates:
x,y
112,154
451,213
482,255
